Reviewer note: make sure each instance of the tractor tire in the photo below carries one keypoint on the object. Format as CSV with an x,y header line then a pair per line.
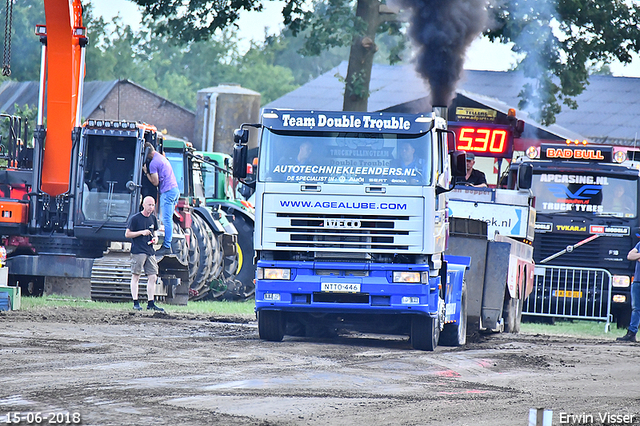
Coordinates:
x,y
194,258
200,231
217,257
179,245
246,270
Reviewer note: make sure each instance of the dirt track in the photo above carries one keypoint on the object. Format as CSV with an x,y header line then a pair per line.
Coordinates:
x,y
121,368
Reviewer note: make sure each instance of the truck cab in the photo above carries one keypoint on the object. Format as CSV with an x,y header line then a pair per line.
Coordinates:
x,y
351,223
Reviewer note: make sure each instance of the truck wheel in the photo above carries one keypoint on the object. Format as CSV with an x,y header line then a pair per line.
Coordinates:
x,y
425,332
512,313
271,325
456,334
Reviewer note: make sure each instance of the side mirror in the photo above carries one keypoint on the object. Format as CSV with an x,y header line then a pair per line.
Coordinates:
x,y
525,175
241,136
240,160
458,163
519,128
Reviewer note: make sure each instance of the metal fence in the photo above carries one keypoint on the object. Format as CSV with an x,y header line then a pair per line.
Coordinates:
x,y
577,293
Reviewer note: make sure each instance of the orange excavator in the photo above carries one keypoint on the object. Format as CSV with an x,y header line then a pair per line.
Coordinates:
x,y
67,197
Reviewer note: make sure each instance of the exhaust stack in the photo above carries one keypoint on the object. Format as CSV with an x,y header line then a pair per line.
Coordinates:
x,y
441,111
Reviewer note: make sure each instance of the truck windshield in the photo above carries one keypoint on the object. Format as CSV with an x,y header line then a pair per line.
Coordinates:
x,y
585,194
345,158
108,166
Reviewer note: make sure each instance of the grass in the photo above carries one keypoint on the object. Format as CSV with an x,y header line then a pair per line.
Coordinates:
x,y
576,328
198,307
561,327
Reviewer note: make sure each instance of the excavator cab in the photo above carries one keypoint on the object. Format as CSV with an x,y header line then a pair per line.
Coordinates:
x,y
109,178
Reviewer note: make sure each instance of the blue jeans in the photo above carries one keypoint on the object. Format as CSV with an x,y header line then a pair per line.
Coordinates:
x,y
635,307
168,202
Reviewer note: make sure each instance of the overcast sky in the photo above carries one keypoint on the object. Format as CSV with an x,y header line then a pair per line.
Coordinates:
x,y
481,55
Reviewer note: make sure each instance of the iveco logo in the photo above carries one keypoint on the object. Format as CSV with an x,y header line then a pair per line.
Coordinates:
x,y
341,223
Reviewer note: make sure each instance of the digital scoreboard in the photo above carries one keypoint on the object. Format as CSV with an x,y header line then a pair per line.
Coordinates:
x,y
483,139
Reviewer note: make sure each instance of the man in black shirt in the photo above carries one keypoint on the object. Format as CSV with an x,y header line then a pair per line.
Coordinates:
x,y
473,177
142,229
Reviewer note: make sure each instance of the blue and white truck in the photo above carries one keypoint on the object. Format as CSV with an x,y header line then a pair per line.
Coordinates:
x,y
352,226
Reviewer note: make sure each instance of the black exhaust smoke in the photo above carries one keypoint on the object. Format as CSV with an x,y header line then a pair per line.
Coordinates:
x,y
442,30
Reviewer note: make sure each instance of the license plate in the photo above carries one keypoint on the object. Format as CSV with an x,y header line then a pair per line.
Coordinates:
x,y
568,293
341,287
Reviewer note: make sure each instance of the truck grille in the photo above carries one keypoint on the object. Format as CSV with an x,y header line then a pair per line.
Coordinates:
x,y
360,232
337,226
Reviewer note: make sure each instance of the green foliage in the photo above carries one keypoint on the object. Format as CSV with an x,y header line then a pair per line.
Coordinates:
x,y
327,25
561,40
25,45
332,24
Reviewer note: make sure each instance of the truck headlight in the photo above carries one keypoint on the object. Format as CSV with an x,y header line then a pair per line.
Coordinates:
x,y
274,274
619,298
410,300
406,277
621,281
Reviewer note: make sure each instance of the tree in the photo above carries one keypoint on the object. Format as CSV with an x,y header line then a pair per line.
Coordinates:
x,y
333,23
25,47
561,41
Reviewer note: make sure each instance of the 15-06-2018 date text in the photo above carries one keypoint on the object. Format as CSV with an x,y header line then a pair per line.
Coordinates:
x,y
38,417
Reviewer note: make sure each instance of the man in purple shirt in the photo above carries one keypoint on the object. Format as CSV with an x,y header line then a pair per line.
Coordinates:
x,y
161,175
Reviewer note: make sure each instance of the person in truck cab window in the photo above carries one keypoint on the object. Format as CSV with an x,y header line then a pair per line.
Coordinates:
x,y
409,159
304,153
473,177
621,202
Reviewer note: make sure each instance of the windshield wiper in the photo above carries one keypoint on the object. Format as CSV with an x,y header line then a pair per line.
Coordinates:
x,y
569,249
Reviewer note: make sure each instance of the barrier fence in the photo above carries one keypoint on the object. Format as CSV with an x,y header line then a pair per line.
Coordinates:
x,y
577,293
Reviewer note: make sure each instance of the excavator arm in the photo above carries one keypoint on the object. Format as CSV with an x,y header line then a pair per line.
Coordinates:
x,y
63,60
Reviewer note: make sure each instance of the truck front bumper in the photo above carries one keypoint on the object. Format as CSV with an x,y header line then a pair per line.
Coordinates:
x,y
371,291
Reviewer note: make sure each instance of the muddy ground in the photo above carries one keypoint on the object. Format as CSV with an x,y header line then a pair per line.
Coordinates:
x,y
129,368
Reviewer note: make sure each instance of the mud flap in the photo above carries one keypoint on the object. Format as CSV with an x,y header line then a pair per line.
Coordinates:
x,y
475,247
495,281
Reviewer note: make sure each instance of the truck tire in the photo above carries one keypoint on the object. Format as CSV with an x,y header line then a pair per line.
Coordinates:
x,y
271,325
425,332
456,334
512,313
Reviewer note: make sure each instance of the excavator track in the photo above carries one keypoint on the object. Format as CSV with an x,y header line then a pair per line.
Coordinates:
x,y
111,278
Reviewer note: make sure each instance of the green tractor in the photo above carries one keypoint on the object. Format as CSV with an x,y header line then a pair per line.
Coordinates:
x,y
211,237
222,192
